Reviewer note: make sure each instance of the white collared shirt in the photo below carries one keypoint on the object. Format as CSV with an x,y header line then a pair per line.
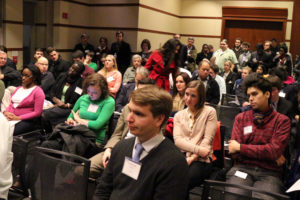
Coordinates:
x,y
148,145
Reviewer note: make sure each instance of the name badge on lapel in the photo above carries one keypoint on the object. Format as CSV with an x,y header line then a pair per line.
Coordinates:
x,y
131,169
78,90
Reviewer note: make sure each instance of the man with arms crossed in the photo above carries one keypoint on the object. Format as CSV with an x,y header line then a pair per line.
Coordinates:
x,y
258,141
147,166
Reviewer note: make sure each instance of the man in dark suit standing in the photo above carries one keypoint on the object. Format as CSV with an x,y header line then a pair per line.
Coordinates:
x,y
147,166
122,51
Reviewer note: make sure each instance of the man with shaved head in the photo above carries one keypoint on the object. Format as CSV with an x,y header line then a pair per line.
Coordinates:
x,y
47,77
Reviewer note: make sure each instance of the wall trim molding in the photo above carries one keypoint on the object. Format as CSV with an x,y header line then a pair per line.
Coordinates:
x,y
14,49
12,22
100,4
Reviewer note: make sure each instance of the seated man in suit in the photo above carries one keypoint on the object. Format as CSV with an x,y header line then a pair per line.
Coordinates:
x,y
147,166
100,161
123,97
10,76
279,103
211,86
258,141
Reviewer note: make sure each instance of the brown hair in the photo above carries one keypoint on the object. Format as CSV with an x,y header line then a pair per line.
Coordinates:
x,y
275,81
199,85
186,78
159,100
96,80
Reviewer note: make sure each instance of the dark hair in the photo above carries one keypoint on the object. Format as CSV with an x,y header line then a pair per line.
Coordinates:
x,y
186,78
3,48
168,52
275,81
39,49
259,46
284,47
96,80
280,72
77,54
50,50
274,39
246,44
263,68
80,65
91,54
215,68
204,46
103,38
146,81
240,39
84,35
257,81
36,73
199,85
146,41
119,32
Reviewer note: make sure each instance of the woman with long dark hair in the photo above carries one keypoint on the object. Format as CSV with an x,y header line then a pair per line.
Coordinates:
x,y
163,62
182,79
205,53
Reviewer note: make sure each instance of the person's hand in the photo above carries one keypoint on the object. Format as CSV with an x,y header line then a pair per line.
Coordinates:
x,y
191,159
1,76
245,104
234,146
106,157
203,153
280,161
70,121
11,117
76,116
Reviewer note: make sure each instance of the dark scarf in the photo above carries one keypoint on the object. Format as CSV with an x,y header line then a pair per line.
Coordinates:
x,y
258,116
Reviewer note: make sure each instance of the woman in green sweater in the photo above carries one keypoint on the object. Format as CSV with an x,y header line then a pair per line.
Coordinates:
x,y
95,108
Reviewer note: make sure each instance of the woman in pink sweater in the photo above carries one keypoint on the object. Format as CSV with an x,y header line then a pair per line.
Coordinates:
x,y
26,102
194,131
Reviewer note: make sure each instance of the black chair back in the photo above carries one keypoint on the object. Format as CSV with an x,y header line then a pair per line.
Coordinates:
x,y
229,100
59,175
227,116
216,190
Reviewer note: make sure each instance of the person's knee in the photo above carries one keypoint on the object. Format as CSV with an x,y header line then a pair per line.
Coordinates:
x,y
96,165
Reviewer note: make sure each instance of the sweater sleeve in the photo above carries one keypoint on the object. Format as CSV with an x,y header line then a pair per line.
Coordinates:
x,y
275,148
39,98
104,115
117,85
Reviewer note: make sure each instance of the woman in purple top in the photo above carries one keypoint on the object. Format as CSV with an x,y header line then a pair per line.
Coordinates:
x,y
26,103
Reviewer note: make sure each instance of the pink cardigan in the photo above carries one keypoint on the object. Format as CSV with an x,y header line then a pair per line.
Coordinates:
x,y
114,82
201,136
31,107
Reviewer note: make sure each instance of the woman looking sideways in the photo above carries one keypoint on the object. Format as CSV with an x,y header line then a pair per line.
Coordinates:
x,y
182,79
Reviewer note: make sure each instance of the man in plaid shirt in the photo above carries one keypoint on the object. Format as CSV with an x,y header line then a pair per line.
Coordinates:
x,y
258,141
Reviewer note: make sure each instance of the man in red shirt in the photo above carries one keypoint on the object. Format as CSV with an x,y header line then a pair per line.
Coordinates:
x,y
258,141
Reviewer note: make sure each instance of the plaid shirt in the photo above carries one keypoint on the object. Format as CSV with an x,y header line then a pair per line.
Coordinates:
x,y
261,147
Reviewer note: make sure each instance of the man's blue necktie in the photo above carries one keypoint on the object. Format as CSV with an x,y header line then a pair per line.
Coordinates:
x,y
138,151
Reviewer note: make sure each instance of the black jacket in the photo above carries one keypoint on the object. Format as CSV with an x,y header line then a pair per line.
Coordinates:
x,y
123,53
123,97
11,76
230,80
265,58
58,67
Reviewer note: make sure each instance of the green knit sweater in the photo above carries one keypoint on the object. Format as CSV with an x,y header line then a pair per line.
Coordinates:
x,y
98,119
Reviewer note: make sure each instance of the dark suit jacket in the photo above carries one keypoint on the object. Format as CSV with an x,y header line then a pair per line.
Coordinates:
x,y
230,80
58,67
265,58
285,107
123,97
11,76
123,52
212,89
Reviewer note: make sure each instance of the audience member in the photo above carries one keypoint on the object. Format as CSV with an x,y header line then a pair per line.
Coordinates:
x,y
214,73
47,78
229,77
130,71
245,56
57,65
260,57
89,57
78,56
112,75
84,46
278,103
145,53
100,161
26,104
39,52
10,76
149,109
122,52
163,62
211,86
260,70
189,55
64,94
9,62
123,97
211,49
258,160
223,54
101,50
239,90
194,131
267,48
182,80
205,53
102,63
274,46
95,108
6,157
283,59
237,49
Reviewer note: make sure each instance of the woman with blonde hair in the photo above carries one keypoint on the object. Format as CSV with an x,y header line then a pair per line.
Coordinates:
x,y
194,132
111,73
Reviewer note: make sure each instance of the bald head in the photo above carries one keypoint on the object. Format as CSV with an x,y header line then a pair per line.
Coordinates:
x,y
42,64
